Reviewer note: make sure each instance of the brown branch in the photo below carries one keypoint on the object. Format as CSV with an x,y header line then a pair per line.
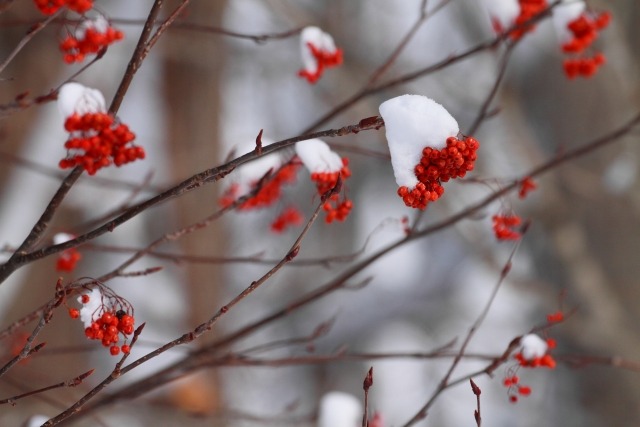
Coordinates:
x,y
206,326
31,33
444,383
190,184
203,356
115,374
71,383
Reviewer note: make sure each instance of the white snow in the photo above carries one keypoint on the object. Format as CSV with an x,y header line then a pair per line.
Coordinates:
x,y
321,40
317,156
565,13
99,24
339,409
79,99
62,238
413,122
504,11
533,347
91,310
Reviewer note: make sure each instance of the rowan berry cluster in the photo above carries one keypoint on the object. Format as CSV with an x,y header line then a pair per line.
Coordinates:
x,y
534,353
584,31
334,208
91,37
527,185
515,388
270,189
438,166
528,10
290,217
106,316
503,226
318,52
324,59
68,259
49,7
100,141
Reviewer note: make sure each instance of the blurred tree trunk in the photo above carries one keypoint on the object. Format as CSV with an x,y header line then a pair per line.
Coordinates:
x,y
192,72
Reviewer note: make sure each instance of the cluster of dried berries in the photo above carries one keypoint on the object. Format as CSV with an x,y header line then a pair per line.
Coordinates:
x,y
97,140
92,36
503,227
438,166
49,7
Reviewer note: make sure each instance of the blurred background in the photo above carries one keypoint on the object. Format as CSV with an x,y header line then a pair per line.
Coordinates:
x,y
202,94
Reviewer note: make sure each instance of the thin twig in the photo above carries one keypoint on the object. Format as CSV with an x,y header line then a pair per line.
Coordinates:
x,y
71,383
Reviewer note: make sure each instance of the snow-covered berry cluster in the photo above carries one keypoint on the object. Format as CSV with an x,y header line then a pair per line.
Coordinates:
x,y
68,258
577,30
91,36
513,13
319,51
49,7
96,138
326,168
106,316
425,148
533,353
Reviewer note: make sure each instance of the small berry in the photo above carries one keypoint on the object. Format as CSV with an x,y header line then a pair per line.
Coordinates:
x,y
74,313
114,350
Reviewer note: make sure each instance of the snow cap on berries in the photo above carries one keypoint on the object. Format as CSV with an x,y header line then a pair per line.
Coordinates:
x,y
413,122
74,98
339,409
533,347
503,12
90,311
563,15
322,41
98,24
318,157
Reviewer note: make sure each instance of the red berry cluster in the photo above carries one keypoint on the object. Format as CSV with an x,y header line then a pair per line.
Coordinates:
x,y
503,227
438,166
49,7
323,59
515,388
75,48
101,140
546,361
289,217
585,31
108,327
556,317
325,182
527,185
269,192
528,9
68,259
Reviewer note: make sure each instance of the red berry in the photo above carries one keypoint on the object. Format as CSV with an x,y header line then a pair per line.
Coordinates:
x,y
74,313
114,350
